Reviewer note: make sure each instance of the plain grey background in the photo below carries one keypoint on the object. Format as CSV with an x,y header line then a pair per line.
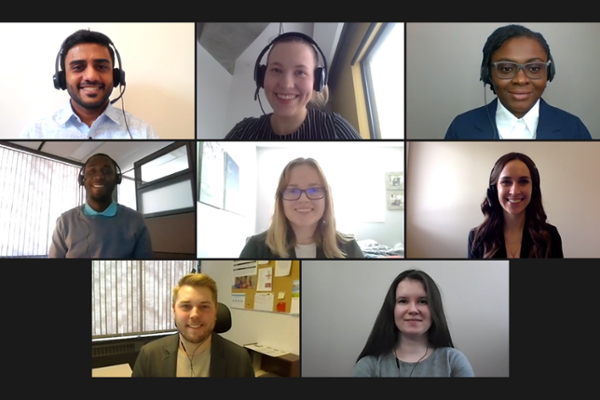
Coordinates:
x,y
443,62
342,299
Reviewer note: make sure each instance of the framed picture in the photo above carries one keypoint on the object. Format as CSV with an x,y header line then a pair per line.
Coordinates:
x,y
395,199
394,181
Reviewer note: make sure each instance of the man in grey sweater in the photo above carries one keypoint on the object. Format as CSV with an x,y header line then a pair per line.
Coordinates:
x,y
101,228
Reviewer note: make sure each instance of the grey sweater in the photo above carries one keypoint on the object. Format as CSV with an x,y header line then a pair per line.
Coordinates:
x,y
443,362
124,236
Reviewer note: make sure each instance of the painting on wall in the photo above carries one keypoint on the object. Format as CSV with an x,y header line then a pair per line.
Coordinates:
x,y
394,181
395,200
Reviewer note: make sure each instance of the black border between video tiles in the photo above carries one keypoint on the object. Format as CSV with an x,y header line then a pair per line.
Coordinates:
x,y
369,14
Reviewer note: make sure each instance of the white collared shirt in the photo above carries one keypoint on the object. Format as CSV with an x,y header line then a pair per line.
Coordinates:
x,y
65,124
511,127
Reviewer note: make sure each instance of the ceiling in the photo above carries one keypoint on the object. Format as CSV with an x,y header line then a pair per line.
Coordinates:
x,y
227,41
232,42
124,153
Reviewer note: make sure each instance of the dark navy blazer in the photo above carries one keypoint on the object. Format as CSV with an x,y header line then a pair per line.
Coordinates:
x,y
554,124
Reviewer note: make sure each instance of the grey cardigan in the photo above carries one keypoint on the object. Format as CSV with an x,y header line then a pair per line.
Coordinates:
x,y
256,249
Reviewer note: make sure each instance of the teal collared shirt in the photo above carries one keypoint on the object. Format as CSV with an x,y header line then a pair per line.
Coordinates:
x,y
110,211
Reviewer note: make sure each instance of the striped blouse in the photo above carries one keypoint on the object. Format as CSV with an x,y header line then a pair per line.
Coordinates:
x,y
318,125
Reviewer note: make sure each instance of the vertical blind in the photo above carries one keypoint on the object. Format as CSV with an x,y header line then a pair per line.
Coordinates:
x,y
131,298
35,192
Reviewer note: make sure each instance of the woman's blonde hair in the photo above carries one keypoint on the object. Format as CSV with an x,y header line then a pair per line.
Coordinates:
x,y
318,100
280,235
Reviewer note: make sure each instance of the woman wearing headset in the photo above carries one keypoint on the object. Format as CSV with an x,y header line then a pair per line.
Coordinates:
x,y
410,337
303,224
515,221
296,88
517,65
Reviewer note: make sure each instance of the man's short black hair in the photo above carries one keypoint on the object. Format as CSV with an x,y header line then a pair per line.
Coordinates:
x,y
85,36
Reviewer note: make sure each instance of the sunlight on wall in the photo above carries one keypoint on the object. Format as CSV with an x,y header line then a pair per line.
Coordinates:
x,y
387,74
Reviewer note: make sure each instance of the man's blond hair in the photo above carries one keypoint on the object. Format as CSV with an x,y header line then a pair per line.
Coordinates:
x,y
196,281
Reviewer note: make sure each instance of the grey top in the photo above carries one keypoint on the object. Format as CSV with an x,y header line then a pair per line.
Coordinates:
x,y
444,362
124,236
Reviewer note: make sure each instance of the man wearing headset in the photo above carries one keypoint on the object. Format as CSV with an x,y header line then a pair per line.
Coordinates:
x,y
101,228
88,74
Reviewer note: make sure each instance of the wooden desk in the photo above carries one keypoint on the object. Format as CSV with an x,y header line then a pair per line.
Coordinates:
x,y
266,366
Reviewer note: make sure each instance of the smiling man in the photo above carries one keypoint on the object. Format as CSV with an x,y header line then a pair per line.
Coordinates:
x,y
88,73
196,350
101,228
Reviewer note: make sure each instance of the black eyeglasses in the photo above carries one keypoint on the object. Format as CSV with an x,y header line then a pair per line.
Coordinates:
x,y
533,70
316,193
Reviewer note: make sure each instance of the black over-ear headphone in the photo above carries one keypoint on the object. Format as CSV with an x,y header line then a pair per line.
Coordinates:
x,y
261,69
492,191
60,81
486,75
118,178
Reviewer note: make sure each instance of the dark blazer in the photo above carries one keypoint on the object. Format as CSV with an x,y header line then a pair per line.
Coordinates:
x,y
256,249
526,245
158,359
554,124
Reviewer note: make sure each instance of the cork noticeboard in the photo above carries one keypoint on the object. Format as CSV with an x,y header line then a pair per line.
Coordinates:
x,y
256,284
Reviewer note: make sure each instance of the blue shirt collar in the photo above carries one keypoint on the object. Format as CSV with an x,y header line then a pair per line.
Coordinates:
x,y
110,211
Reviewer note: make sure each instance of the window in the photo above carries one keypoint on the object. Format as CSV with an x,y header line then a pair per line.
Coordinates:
x,y
36,190
165,181
383,77
133,298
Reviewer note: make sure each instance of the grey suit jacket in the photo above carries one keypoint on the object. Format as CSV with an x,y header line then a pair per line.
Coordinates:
x,y
159,359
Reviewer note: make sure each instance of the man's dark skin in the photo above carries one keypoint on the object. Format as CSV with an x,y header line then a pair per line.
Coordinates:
x,y
100,180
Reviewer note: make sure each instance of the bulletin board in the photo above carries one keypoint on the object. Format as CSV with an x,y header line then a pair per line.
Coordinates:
x,y
250,277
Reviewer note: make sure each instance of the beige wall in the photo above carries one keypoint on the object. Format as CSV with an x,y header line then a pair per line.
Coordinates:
x,y
158,60
447,181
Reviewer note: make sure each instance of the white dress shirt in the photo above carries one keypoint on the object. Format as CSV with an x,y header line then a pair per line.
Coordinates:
x,y
65,124
511,127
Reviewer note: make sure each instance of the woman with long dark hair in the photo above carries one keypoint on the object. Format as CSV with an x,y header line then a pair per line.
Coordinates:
x,y
410,337
515,221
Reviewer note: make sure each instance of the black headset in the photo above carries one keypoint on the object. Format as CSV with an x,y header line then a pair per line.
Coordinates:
x,y
492,191
118,178
60,81
261,69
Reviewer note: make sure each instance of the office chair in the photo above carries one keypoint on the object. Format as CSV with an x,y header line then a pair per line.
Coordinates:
x,y
223,323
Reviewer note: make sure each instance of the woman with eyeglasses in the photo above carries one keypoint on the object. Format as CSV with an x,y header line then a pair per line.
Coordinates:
x,y
517,65
303,224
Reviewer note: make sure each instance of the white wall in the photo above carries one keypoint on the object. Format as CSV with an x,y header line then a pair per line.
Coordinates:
x,y
222,234
158,60
349,167
340,311
447,182
280,331
443,62
214,85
